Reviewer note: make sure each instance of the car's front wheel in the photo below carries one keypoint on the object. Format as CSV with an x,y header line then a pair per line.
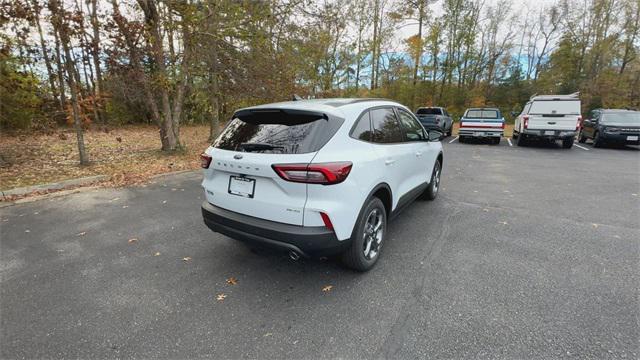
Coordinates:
x,y
368,237
567,143
597,141
581,138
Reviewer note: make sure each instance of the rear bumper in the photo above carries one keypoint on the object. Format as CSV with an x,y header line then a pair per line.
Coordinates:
x,y
310,241
620,138
550,134
481,132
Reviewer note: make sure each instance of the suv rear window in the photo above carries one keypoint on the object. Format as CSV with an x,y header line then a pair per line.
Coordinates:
x,y
429,111
482,114
278,131
559,107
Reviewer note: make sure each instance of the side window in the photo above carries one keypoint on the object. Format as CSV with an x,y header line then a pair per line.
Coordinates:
x,y
362,130
412,129
385,126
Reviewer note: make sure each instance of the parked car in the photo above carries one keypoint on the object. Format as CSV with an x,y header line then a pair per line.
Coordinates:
x,y
611,126
435,118
319,177
550,117
481,123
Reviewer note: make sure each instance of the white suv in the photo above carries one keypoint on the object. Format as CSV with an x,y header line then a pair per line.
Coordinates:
x,y
319,177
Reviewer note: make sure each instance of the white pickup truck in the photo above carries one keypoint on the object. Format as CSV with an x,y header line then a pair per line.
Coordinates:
x,y
550,117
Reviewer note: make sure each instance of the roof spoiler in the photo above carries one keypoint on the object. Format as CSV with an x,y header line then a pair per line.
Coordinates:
x,y
279,116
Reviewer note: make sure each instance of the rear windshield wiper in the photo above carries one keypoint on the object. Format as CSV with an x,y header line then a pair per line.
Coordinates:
x,y
249,147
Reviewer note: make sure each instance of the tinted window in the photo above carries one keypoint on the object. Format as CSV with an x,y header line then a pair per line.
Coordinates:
x,y
481,114
560,107
277,133
362,130
385,126
412,129
429,111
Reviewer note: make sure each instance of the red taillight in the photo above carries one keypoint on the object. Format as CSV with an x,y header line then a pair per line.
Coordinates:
x,y
503,125
579,124
205,160
526,121
322,173
326,221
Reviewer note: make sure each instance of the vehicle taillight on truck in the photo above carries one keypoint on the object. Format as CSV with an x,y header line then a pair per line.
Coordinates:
x,y
526,121
579,123
321,173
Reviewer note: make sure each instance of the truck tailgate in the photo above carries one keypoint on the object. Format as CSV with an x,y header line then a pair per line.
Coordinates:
x,y
552,122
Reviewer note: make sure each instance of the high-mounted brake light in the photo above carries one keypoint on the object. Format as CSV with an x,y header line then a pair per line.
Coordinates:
x,y
526,121
321,173
205,160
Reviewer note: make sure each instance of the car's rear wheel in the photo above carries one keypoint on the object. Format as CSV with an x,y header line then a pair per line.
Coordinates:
x,y
520,140
567,143
462,139
597,141
368,237
495,141
581,138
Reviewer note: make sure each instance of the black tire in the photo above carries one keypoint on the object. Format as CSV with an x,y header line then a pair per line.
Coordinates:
x,y
357,257
514,135
495,141
567,143
520,140
431,191
581,138
597,142
462,139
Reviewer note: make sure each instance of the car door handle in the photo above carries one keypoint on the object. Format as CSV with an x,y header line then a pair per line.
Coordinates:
x,y
389,161
419,153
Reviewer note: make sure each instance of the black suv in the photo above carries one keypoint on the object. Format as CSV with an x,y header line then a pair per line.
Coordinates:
x,y
611,126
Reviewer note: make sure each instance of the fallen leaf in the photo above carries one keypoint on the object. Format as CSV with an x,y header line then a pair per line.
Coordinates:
x,y
475,191
132,240
27,231
232,281
156,254
186,258
267,334
125,206
114,199
595,226
485,210
327,288
504,223
221,297
634,194
616,236
164,201
82,233
173,189
36,213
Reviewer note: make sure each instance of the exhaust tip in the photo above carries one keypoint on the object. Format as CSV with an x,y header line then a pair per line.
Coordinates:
x,y
294,255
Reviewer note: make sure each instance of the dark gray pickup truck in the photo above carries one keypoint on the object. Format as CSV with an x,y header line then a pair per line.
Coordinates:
x,y
435,118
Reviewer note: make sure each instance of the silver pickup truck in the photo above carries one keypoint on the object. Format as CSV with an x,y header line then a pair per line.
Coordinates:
x,y
435,118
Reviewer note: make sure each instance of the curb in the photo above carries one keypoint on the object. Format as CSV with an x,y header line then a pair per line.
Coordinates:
x,y
157,176
53,186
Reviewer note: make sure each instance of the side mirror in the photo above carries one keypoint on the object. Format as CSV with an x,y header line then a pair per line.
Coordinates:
x,y
435,135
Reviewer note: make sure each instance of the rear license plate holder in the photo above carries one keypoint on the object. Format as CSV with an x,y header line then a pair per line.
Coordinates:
x,y
242,186
549,132
632,138
478,133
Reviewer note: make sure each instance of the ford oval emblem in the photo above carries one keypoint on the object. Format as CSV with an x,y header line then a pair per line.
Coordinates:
x,y
237,156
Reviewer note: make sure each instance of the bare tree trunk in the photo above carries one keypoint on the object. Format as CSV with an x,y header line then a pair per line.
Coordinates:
x,y
95,54
45,53
60,26
60,70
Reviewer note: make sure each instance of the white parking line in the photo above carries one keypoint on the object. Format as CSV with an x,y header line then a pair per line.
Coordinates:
x,y
454,139
581,147
509,140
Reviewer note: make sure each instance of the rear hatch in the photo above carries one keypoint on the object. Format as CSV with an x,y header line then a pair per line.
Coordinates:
x,y
481,119
240,177
554,114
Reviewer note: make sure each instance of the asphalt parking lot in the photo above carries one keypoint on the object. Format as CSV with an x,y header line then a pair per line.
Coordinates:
x,y
526,253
